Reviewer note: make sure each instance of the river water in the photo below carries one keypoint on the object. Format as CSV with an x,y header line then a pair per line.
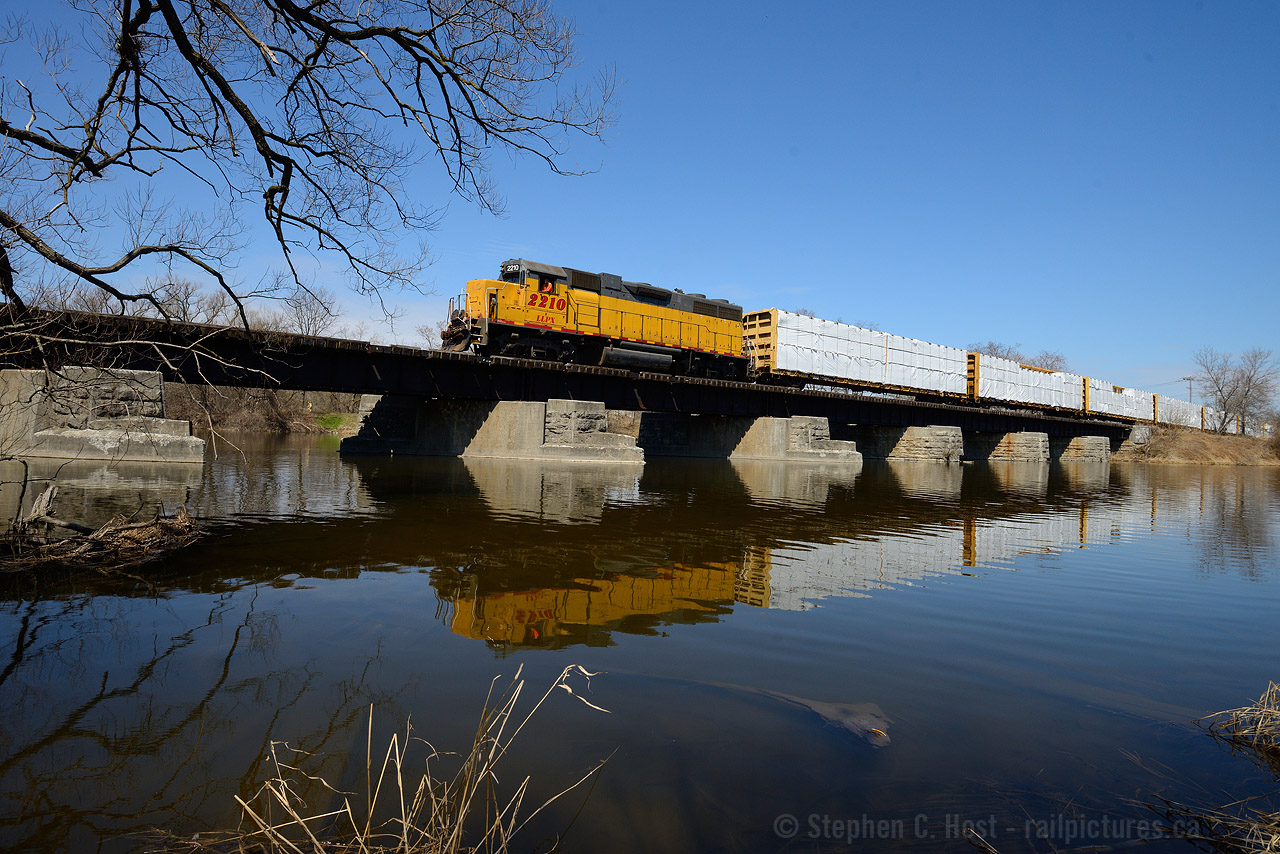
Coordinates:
x,y
793,657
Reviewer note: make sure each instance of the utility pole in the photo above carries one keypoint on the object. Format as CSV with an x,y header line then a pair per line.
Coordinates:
x,y
1189,379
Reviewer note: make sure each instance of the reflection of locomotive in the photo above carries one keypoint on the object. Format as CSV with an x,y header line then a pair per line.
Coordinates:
x,y
561,314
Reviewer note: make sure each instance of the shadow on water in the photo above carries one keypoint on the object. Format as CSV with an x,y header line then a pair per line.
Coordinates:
x,y
117,711
1017,625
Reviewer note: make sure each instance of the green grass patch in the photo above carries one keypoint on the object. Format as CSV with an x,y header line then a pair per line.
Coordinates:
x,y
334,420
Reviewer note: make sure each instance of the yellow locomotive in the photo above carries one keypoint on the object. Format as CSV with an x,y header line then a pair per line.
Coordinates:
x,y
557,313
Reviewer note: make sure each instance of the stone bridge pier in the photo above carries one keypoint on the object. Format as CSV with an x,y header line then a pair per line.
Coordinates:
x,y
582,430
91,414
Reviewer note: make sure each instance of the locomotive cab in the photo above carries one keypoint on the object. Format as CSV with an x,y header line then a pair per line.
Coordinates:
x,y
490,303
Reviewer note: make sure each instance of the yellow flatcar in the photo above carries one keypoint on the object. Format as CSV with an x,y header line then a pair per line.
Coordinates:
x,y
561,314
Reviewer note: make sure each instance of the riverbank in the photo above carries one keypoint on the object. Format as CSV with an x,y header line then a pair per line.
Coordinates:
x,y
1183,446
256,410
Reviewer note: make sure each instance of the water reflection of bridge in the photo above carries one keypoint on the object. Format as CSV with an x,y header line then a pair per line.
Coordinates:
x,y
827,544
544,553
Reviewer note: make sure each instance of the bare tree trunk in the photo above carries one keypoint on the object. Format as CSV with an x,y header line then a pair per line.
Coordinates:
x,y
6,280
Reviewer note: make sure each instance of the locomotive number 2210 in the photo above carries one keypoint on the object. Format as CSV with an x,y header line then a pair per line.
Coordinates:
x,y
546,301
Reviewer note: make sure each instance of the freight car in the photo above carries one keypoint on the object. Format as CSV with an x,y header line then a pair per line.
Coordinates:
x,y
565,315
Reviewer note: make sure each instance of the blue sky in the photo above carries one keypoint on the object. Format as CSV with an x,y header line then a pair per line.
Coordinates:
x,y
1101,179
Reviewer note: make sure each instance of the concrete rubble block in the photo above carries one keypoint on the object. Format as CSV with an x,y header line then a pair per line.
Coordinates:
x,y
1017,447
809,437
1080,448
578,429
92,414
935,443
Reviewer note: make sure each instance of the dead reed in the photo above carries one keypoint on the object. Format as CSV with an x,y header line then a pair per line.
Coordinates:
x,y
1238,828
1252,825
1253,730
405,807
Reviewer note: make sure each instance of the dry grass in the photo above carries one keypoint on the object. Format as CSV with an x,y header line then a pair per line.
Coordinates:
x,y
1252,730
404,807
1237,828
1249,826
1170,444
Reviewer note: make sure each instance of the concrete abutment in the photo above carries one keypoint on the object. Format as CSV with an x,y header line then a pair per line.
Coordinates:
x,y
89,413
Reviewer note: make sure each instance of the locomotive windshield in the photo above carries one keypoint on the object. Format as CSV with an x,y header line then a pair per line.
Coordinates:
x,y
512,273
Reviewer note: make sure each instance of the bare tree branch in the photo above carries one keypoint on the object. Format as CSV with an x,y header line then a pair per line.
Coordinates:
x,y
316,113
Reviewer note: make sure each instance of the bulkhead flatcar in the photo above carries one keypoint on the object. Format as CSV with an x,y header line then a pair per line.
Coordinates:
x,y
558,313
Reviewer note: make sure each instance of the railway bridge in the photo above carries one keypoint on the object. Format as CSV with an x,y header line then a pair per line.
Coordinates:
x,y
68,374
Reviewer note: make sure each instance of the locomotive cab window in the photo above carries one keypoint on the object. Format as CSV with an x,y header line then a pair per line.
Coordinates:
x,y
546,285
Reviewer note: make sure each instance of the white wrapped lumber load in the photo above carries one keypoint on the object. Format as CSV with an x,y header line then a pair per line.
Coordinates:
x,y
1212,418
829,352
788,343
1170,410
1108,399
1003,379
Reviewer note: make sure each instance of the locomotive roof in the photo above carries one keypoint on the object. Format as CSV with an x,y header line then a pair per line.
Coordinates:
x,y
549,269
643,291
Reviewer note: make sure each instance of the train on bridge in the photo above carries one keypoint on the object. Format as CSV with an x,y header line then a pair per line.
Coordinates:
x,y
561,314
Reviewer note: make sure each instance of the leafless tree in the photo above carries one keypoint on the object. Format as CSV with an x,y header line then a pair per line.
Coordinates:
x,y
311,311
314,114
1000,351
184,300
1049,360
1244,386
430,333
